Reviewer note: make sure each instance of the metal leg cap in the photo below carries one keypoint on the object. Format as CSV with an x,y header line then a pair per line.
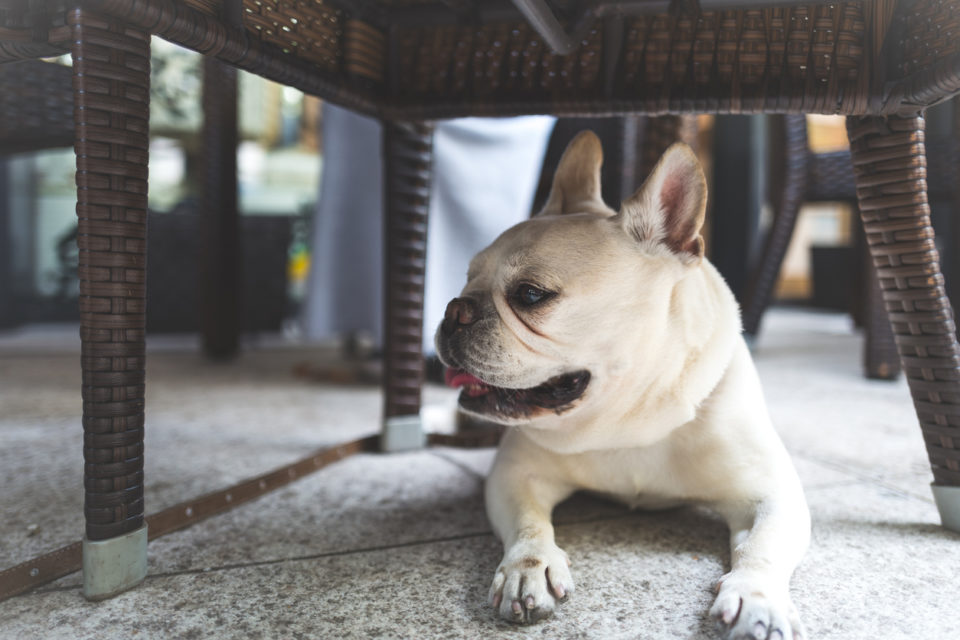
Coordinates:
x,y
112,566
402,433
948,503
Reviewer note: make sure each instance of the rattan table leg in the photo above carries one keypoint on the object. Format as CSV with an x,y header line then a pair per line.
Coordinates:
x,y
111,92
793,184
890,169
408,154
220,255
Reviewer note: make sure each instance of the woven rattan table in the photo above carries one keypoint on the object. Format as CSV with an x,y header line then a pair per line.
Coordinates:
x,y
407,62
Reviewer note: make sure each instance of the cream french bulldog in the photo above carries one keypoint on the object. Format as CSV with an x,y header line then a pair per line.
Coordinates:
x,y
613,349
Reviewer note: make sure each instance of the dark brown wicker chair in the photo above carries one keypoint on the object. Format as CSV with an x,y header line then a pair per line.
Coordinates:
x,y
38,115
36,102
880,62
804,176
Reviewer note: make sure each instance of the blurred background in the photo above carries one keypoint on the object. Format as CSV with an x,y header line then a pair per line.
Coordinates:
x,y
280,159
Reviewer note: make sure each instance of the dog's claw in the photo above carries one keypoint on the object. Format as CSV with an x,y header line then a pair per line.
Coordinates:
x,y
725,611
745,611
759,630
530,581
559,592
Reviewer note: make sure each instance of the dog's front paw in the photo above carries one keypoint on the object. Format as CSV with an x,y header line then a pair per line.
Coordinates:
x,y
532,578
745,609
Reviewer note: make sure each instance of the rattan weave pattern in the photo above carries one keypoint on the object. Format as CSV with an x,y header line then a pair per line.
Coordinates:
x,y
831,176
804,58
32,29
13,48
409,149
364,52
111,109
931,30
816,48
307,29
809,58
468,61
36,106
242,47
889,164
209,7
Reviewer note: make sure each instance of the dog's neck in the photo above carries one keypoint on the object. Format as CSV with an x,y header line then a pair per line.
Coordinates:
x,y
663,392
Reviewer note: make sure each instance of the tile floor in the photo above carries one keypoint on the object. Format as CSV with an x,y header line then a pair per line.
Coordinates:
x,y
398,546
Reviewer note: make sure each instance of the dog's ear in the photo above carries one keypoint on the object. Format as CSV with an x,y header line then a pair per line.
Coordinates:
x,y
576,183
670,206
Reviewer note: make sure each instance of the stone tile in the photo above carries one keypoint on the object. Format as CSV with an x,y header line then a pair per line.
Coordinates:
x,y
398,546
239,426
825,409
365,502
879,566
424,591
475,461
251,416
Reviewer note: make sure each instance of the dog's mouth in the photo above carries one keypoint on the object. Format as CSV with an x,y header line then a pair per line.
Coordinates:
x,y
558,394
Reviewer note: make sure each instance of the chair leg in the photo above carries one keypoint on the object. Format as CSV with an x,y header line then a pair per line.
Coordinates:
x,y
657,134
408,153
793,186
880,358
111,83
220,263
890,170
7,318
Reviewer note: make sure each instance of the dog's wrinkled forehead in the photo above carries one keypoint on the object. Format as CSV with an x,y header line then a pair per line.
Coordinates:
x,y
542,250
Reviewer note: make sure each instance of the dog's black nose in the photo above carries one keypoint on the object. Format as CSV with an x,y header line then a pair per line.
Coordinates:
x,y
461,312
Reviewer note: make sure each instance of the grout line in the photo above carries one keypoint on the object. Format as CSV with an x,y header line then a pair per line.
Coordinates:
x,y
861,476
850,482
463,467
333,554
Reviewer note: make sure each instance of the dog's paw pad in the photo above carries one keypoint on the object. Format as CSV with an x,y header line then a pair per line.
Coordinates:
x,y
744,612
530,582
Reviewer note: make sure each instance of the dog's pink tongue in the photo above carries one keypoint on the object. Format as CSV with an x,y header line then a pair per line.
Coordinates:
x,y
457,378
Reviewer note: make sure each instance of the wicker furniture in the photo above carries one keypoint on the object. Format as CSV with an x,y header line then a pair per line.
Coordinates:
x,y
880,62
804,176
39,115
36,102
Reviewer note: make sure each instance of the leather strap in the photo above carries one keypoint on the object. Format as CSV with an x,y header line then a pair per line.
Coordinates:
x,y
64,561
40,570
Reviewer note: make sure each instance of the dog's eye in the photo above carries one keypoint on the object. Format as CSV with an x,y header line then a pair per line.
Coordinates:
x,y
530,295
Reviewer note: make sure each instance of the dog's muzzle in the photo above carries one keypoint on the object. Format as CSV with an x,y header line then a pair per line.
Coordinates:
x,y
461,312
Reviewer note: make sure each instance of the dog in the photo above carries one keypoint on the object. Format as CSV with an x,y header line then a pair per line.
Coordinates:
x,y
612,349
